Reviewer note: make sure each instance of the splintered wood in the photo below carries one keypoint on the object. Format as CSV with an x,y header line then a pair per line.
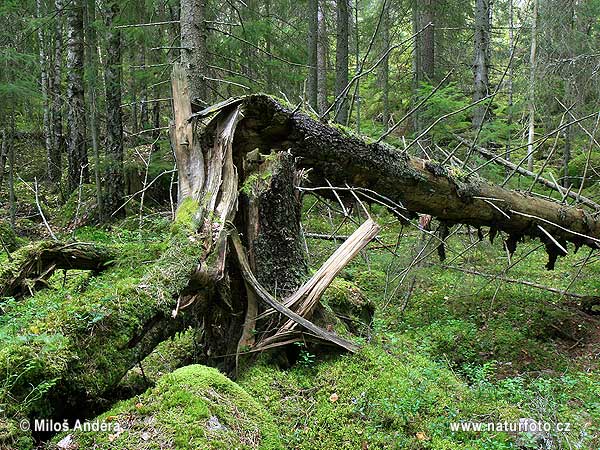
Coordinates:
x,y
302,303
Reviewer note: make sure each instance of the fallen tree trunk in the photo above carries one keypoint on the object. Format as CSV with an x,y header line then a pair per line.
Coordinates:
x,y
549,184
31,266
418,185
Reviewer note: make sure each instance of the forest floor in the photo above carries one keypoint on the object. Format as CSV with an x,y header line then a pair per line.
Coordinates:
x,y
444,347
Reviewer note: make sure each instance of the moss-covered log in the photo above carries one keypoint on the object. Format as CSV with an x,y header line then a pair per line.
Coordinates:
x,y
32,265
418,185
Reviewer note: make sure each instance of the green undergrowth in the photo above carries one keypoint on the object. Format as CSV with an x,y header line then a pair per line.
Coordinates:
x,y
70,344
195,407
391,396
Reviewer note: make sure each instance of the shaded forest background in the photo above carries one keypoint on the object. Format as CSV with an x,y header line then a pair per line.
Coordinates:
x,y
85,92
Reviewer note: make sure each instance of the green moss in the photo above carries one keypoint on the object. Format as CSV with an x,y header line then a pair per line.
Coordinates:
x,y
80,208
380,398
195,407
345,301
185,219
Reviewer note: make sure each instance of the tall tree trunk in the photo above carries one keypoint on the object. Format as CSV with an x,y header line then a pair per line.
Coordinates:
x,y
568,9
424,49
427,37
321,60
12,200
44,81
113,176
357,57
511,77
58,140
194,54
77,150
384,72
311,82
3,155
481,61
566,181
156,121
269,69
532,67
92,56
341,60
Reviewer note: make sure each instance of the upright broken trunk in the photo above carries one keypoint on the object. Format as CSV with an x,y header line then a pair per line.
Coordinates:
x,y
212,165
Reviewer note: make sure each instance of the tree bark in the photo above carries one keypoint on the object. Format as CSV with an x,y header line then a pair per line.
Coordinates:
x,y
481,61
92,56
194,56
532,69
311,82
420,186
384,74
58,143
511,77
77,150
113,176
44,83
424,50
322,41
341,60
3,155
549,184
12,199
31,266
426,15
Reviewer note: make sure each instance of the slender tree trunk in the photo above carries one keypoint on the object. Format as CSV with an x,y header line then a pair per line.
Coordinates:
x,y
193,40
143,94
321,60
92,55
566,181
341,59
427,39
511,76
269,71
569,82
481,61
44,81
385,67
12,203
77,150
416,63
532,66
424,49
311,82
113,176
3,156
156,121
357,56
58,143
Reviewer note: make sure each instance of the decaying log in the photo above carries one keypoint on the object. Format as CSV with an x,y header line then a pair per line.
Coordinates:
x,y
418,185
549,184
32,265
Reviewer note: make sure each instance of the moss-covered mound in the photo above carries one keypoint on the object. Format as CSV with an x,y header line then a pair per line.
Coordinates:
x,y
195,407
